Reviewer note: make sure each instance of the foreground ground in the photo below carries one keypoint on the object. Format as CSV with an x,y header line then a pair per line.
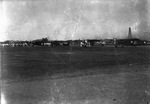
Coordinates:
x,y
74,75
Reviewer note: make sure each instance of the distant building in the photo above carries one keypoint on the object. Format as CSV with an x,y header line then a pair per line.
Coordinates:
x,y
130,33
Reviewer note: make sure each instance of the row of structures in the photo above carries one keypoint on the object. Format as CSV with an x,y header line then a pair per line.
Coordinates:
x,y
44,42
53,43
129,41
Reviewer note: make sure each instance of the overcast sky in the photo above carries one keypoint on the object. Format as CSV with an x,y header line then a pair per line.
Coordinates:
x,y
73,19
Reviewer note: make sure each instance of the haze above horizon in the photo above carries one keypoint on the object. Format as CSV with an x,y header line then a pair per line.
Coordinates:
x,y
73,19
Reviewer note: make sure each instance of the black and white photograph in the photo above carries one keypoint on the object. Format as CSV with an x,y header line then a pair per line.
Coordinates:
x,y
75,51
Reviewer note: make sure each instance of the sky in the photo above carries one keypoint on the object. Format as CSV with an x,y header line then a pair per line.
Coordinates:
x,y
73,19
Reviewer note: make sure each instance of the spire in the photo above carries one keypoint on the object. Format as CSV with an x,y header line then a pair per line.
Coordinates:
x,y
129,33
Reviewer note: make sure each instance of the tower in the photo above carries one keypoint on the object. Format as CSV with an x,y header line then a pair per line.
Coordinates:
x,y
129,33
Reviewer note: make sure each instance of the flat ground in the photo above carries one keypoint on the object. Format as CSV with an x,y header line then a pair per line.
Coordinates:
x,y
74,75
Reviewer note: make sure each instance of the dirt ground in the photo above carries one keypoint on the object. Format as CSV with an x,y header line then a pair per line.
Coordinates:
x,y
74,75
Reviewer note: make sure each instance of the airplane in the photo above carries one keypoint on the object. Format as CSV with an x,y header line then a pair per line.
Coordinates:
x,y
129,41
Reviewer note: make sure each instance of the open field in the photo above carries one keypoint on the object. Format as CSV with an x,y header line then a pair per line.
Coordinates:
x,y
74,75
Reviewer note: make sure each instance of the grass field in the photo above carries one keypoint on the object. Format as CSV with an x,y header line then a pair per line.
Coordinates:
x,y
94,75
22,62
